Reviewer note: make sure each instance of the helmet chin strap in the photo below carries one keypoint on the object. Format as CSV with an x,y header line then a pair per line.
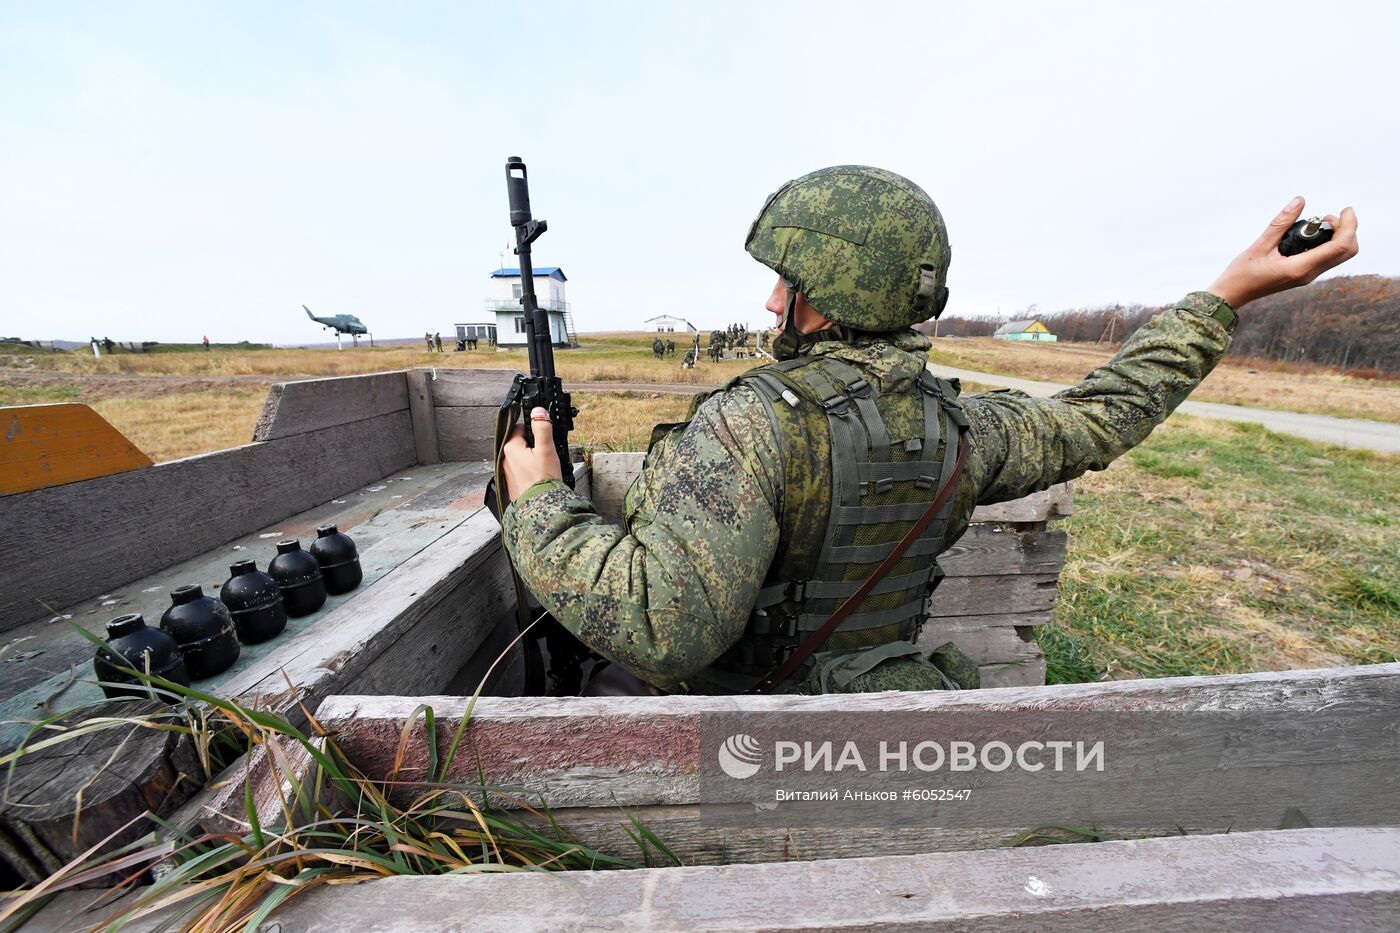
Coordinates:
x,y
791,342
788,342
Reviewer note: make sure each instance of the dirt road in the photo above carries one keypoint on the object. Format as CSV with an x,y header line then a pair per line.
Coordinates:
x,y
1344,432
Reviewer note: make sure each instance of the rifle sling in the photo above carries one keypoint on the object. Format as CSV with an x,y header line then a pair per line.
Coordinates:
x,y
785,670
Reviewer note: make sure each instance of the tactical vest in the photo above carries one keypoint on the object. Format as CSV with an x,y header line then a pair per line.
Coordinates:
x,y
822,408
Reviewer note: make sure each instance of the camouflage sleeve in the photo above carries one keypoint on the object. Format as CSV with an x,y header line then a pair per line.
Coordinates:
x,y
671,589
1023,444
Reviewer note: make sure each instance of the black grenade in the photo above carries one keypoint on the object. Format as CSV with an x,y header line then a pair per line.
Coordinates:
x,y
255,601
130,643
339,559
299,576
204,629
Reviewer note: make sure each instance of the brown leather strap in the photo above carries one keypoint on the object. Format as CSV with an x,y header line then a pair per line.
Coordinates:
x,y
783,671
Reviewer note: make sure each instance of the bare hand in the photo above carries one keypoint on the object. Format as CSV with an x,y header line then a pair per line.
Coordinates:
x,y
1261,270
525,466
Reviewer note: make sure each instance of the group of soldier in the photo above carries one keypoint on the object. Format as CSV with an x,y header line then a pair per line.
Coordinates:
x,y
663,348
736,337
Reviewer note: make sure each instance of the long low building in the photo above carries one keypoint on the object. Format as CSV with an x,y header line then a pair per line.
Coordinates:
x,y
1029,329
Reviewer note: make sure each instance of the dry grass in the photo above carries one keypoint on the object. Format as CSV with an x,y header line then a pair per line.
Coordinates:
x,y
601,358
185,423
1275,387
1219,548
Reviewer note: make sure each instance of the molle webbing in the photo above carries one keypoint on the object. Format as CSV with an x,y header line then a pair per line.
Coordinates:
x,y
879,488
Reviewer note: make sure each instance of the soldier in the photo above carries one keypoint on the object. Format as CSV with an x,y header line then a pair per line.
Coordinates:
x,y
670,347
428,339
437,341
756,519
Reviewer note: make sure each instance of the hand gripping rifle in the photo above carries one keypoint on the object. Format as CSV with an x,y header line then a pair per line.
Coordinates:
x,y
542,388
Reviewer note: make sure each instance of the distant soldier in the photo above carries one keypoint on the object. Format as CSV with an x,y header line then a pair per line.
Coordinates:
x,y
206,344
428,339
437,340
107,344
658,349
670,347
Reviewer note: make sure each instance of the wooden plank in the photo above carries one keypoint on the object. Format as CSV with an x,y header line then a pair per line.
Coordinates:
x,y
470,388
528,735
613,475
1001,645
1055,502
1027,672
990,549
466,433
1263,881
1005,593
420,409
312,404
645,753
951,625
49,445
121,527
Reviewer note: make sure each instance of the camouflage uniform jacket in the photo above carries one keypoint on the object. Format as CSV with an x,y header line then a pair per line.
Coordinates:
x,y
668,590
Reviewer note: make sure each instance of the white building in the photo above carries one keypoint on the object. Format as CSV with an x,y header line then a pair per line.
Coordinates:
x,y
510,316
666,324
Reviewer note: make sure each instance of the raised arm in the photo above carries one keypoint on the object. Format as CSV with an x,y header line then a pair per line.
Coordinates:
x,y
670,590
1022,444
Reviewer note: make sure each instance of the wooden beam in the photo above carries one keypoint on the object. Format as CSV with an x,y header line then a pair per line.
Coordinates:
x,y
49,445
471,388
420,406
466,433
1303,879
311,404
125,526
586,757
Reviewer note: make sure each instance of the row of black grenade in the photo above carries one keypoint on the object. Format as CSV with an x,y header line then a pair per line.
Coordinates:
x,y
199,636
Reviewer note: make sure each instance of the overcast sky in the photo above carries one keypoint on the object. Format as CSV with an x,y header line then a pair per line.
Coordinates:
x,y
170,170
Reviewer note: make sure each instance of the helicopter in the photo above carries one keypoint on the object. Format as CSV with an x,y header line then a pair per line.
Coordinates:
x,y
342,324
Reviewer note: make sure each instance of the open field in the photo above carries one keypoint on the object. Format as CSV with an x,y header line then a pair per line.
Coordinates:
x,y
1212,548
1257,383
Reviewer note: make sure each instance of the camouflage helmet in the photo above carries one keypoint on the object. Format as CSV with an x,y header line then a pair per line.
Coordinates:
x,y
867,247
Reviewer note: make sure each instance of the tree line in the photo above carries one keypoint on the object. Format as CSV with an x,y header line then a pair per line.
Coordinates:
x,y
1351,322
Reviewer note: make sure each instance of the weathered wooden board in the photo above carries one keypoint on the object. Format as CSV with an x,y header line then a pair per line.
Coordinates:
x,y
49,445
1055,502
1302,879
1003,593
466,433
644,754
1000,645
122,527
470,388
995,548
420,408
48,665
613,474
311,404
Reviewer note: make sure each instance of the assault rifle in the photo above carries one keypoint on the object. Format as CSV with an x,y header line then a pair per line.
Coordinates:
x,y
542,388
